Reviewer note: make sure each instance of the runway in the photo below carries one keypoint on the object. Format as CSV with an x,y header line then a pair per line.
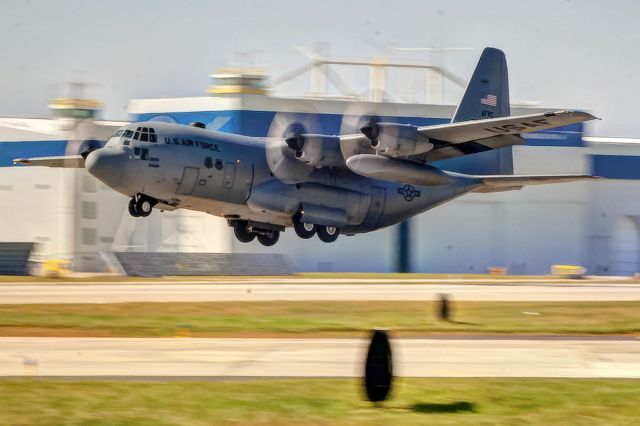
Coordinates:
x,y
189,291
207,358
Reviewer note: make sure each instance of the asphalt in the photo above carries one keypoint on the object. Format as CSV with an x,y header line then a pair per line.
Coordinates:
x,y
263,290
206,359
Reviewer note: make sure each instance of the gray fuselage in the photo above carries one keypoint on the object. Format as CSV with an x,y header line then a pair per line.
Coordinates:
x,y
228,175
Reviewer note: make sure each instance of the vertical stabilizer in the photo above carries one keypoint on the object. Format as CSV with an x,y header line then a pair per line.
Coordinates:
x,y
487,95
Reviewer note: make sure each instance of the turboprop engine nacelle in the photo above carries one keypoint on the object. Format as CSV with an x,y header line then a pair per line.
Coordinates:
x,y
316,150
396,140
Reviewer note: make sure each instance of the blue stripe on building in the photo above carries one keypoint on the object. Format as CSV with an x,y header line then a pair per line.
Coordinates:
x,y
11,150
616,166
257,123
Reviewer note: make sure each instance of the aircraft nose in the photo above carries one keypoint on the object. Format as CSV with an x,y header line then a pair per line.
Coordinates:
x,y
107,165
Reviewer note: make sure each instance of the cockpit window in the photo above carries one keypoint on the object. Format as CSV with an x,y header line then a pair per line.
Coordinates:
x,y
136,135
118,133
128,133
146,134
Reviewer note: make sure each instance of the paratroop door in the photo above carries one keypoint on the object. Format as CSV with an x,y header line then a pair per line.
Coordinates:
x,y
188,182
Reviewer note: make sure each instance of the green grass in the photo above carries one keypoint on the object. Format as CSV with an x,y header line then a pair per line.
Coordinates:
x,y
242,319
321,402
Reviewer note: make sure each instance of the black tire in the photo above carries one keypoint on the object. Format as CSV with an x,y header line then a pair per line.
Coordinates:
x,y
242,233
328,234
144,206
132,208
304,230
269,239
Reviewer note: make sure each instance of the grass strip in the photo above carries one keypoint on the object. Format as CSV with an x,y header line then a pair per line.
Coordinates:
x,y
315,319
321,402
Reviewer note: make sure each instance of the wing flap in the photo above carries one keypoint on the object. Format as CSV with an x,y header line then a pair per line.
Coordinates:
x,y
65,161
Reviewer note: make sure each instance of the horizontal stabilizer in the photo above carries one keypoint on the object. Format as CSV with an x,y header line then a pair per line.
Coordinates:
x,y
402,171
66,161
507,183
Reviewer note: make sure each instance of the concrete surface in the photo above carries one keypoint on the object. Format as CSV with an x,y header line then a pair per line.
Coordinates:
x,y
210,292
202,358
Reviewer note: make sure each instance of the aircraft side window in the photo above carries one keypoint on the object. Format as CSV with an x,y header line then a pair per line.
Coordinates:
x,y
208,162
219,164
126,143
144,137
152,137
136,152
144,154
136,136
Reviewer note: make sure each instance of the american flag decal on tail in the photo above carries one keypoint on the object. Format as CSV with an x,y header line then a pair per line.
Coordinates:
x,y
490,100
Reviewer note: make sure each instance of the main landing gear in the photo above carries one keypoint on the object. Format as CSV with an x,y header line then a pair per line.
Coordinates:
x,y
327,234
244,234
141,205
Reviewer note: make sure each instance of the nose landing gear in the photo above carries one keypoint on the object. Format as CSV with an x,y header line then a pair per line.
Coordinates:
x,y
141,205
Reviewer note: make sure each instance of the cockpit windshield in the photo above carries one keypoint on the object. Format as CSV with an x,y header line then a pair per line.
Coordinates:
x,y
142,134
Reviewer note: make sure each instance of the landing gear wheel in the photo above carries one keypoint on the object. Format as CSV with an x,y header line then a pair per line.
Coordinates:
x,y
144,206
304,230
328,234
132,208
242,233
269,239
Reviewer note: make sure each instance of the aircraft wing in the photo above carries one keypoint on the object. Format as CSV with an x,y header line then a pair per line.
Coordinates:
x,y
475,130
470,137
66,161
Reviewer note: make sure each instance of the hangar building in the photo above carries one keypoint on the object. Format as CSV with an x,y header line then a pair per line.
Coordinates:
x,y
72,215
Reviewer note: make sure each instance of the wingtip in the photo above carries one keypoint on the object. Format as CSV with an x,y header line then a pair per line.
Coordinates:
x,y
590,116
583,114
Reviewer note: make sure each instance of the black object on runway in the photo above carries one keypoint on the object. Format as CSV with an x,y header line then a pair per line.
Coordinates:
x,y
378,370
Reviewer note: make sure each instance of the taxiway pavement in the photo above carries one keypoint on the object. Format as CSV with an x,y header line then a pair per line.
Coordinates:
x,y
206,358
189,291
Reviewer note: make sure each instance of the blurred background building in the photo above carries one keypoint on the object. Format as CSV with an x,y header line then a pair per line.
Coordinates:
x,y
71,215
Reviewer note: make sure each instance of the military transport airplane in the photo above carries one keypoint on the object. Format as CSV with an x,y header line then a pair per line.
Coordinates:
x,y
320,184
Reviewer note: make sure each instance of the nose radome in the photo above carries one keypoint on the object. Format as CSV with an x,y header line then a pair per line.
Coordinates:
x,y
107,165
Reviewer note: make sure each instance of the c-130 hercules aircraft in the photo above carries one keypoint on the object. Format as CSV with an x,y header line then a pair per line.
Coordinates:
x,y
319,184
